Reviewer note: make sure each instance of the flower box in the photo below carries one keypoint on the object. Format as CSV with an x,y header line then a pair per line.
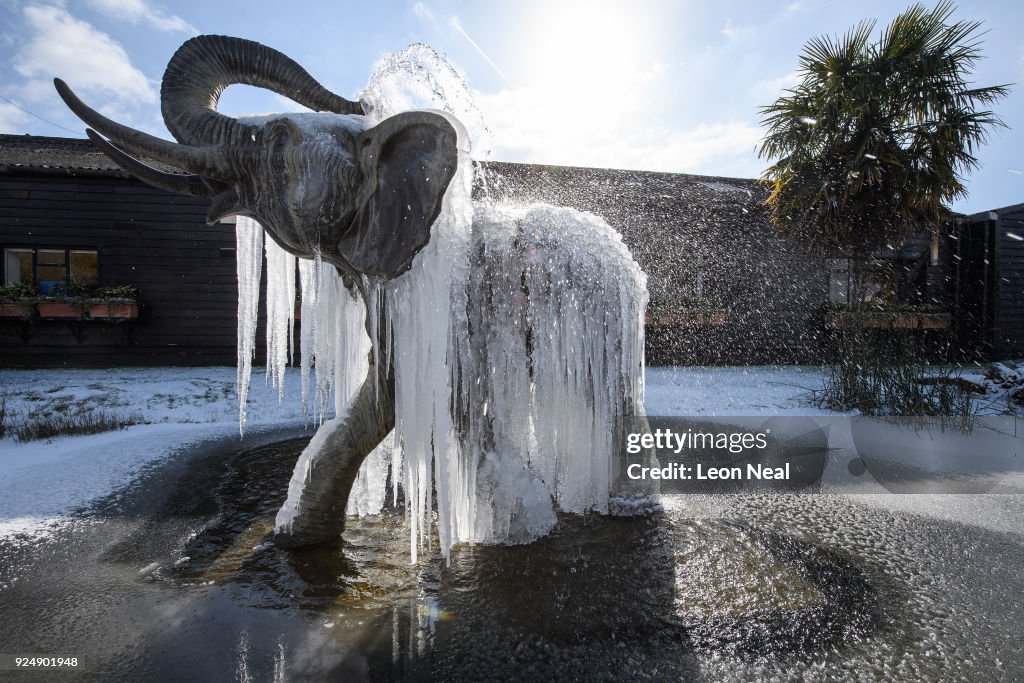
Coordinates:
x,y
59,309
122,310
11,309
895,321
686,318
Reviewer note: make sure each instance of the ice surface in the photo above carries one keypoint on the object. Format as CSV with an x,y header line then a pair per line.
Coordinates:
x,y
312,124
304,470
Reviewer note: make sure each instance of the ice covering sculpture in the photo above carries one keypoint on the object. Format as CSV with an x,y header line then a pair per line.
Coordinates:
x,y
502,339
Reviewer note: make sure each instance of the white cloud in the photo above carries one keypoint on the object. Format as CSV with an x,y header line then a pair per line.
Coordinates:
x,y
424,14
771,88
12,119
89,60
739,33
137,11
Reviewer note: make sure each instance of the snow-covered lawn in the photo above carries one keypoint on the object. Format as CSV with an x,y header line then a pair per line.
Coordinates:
x,y
180,408
764,390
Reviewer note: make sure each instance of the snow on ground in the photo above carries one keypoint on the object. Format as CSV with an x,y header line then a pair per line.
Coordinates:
x,y
42,482
180,408
723,391
171,395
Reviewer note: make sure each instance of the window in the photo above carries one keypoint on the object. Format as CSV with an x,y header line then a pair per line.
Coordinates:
x,y
896,278
839,281
45,268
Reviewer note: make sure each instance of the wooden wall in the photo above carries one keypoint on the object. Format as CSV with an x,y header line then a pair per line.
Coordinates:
x,y
1008,309
183,269
679,228
988,284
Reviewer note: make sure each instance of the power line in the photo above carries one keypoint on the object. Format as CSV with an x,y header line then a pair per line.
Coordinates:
x,y
77,132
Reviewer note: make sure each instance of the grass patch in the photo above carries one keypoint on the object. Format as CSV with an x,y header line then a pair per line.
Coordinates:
x,y
3,416
50,425
912,390
885,378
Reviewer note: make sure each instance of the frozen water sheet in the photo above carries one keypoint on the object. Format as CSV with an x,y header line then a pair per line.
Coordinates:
x,y
516,338
508,398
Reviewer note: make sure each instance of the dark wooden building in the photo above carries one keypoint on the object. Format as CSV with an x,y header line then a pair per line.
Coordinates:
x,y
988,276
67,211
725,288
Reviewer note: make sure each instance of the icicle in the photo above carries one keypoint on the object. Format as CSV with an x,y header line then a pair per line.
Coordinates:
x,y
420,304
280,313
333,340
370,487
325,338
249,264
307,284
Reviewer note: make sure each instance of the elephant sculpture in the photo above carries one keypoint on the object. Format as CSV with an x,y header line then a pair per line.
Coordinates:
x,y
362,198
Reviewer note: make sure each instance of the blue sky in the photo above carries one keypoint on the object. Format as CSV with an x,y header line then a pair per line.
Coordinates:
x,y
665,86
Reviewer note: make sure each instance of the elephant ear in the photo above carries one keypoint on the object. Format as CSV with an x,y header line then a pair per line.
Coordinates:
x,y
407,161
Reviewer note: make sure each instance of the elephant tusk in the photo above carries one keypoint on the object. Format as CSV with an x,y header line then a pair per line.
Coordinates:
x,y
205,161
190,184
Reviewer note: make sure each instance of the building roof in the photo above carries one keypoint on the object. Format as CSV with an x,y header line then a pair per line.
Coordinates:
x,y
686,231
682,229
37,154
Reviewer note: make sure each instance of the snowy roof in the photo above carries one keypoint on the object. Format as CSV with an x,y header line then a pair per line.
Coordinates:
x,y
38,154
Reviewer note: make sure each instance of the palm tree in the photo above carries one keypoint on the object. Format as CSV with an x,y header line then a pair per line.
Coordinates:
x,y
876,138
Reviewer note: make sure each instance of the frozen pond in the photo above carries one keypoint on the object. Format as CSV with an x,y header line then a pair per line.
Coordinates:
x,y
172,578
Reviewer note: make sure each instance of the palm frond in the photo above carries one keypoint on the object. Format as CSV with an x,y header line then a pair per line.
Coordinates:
x,y
877,134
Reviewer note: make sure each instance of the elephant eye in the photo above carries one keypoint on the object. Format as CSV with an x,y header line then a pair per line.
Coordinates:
x,y
345,141
283,131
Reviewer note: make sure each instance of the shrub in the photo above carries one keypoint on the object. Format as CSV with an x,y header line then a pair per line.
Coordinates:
x,y
17,292
885,378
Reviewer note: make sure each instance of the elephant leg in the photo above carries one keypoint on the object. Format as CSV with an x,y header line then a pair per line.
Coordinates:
x,y
314,512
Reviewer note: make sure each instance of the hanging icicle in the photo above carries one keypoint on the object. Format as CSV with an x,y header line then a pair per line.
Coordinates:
x,y
248,265
280,313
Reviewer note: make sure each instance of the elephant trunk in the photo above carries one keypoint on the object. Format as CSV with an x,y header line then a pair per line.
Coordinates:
x,y
205,66
322,481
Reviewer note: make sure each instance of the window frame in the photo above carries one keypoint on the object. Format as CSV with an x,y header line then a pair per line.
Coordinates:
x,y
35,261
